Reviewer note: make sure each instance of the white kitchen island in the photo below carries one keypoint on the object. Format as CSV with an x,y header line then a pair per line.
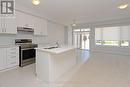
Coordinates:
x,y
51,64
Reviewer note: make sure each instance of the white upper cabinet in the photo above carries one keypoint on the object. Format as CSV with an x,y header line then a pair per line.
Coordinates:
x,y
38,24
37,28
8,25
41,27
44,27
22,19
1,25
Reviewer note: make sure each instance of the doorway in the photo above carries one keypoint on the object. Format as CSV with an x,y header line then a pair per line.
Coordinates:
x,y
81,42
81,38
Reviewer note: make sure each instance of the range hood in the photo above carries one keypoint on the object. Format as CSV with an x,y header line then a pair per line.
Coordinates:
x,y
25,29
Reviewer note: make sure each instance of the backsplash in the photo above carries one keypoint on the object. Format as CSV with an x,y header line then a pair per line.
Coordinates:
x,y
7,39
10,39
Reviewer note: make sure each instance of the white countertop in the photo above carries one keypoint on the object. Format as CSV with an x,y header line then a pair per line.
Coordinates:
x,y
8,45
56,50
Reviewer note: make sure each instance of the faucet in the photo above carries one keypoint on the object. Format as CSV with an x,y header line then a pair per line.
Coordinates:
x,y
57,44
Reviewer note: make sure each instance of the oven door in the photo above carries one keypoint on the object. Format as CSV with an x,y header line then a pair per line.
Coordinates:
x,y
27,56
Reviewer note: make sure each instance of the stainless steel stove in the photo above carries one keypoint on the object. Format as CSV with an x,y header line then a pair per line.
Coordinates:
x,y
27,52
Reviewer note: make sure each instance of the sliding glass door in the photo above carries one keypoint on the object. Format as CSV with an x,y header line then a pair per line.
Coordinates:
x,y
81,38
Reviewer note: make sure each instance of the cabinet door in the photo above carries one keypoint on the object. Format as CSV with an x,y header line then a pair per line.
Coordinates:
x,y
37,28
12,59
30,21
24,20
2,25
2,58
10,25
21,19
41,27
44,27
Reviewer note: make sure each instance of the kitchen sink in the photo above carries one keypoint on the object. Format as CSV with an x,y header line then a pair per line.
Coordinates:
x,y
50,47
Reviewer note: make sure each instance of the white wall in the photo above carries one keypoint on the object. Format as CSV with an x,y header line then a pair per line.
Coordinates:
x,y
56,32
70,36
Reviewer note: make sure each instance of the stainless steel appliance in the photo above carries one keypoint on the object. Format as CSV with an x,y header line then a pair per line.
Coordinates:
x,y
25,29
27,52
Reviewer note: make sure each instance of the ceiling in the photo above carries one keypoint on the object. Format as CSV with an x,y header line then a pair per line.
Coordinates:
x,y
83,11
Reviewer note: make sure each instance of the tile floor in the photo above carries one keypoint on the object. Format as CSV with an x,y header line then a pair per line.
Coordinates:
x,y
101,70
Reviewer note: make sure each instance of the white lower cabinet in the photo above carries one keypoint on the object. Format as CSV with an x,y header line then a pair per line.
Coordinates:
x,y
2,58
9,57
12,58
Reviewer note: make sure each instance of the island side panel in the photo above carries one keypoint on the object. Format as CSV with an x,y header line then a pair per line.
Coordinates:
x,y
42,65
61,63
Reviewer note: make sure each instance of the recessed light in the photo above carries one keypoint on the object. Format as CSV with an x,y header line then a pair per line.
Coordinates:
x,y
36,2
123,6
73,24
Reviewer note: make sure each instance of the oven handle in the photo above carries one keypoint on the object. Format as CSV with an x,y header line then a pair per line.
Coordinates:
x,y
27,49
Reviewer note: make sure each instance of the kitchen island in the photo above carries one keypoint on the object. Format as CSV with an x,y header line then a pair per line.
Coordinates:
x,y
52,63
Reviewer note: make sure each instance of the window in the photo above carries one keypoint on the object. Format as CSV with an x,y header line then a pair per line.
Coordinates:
x,y
98,36
124,43
76,30
113,36
98,42
111,43
85,30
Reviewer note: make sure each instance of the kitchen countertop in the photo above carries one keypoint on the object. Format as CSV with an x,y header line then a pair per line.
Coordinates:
x,y
8,45
56,50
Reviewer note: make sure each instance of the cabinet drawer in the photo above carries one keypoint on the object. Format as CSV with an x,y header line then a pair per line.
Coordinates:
x,y
12,64
12,49
12,58
12,54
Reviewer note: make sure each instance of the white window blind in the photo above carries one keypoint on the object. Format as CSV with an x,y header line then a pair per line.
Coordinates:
x,y
111,33
98,34
125,32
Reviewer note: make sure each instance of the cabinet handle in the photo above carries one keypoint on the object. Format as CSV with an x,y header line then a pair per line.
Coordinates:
x,y
2,29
